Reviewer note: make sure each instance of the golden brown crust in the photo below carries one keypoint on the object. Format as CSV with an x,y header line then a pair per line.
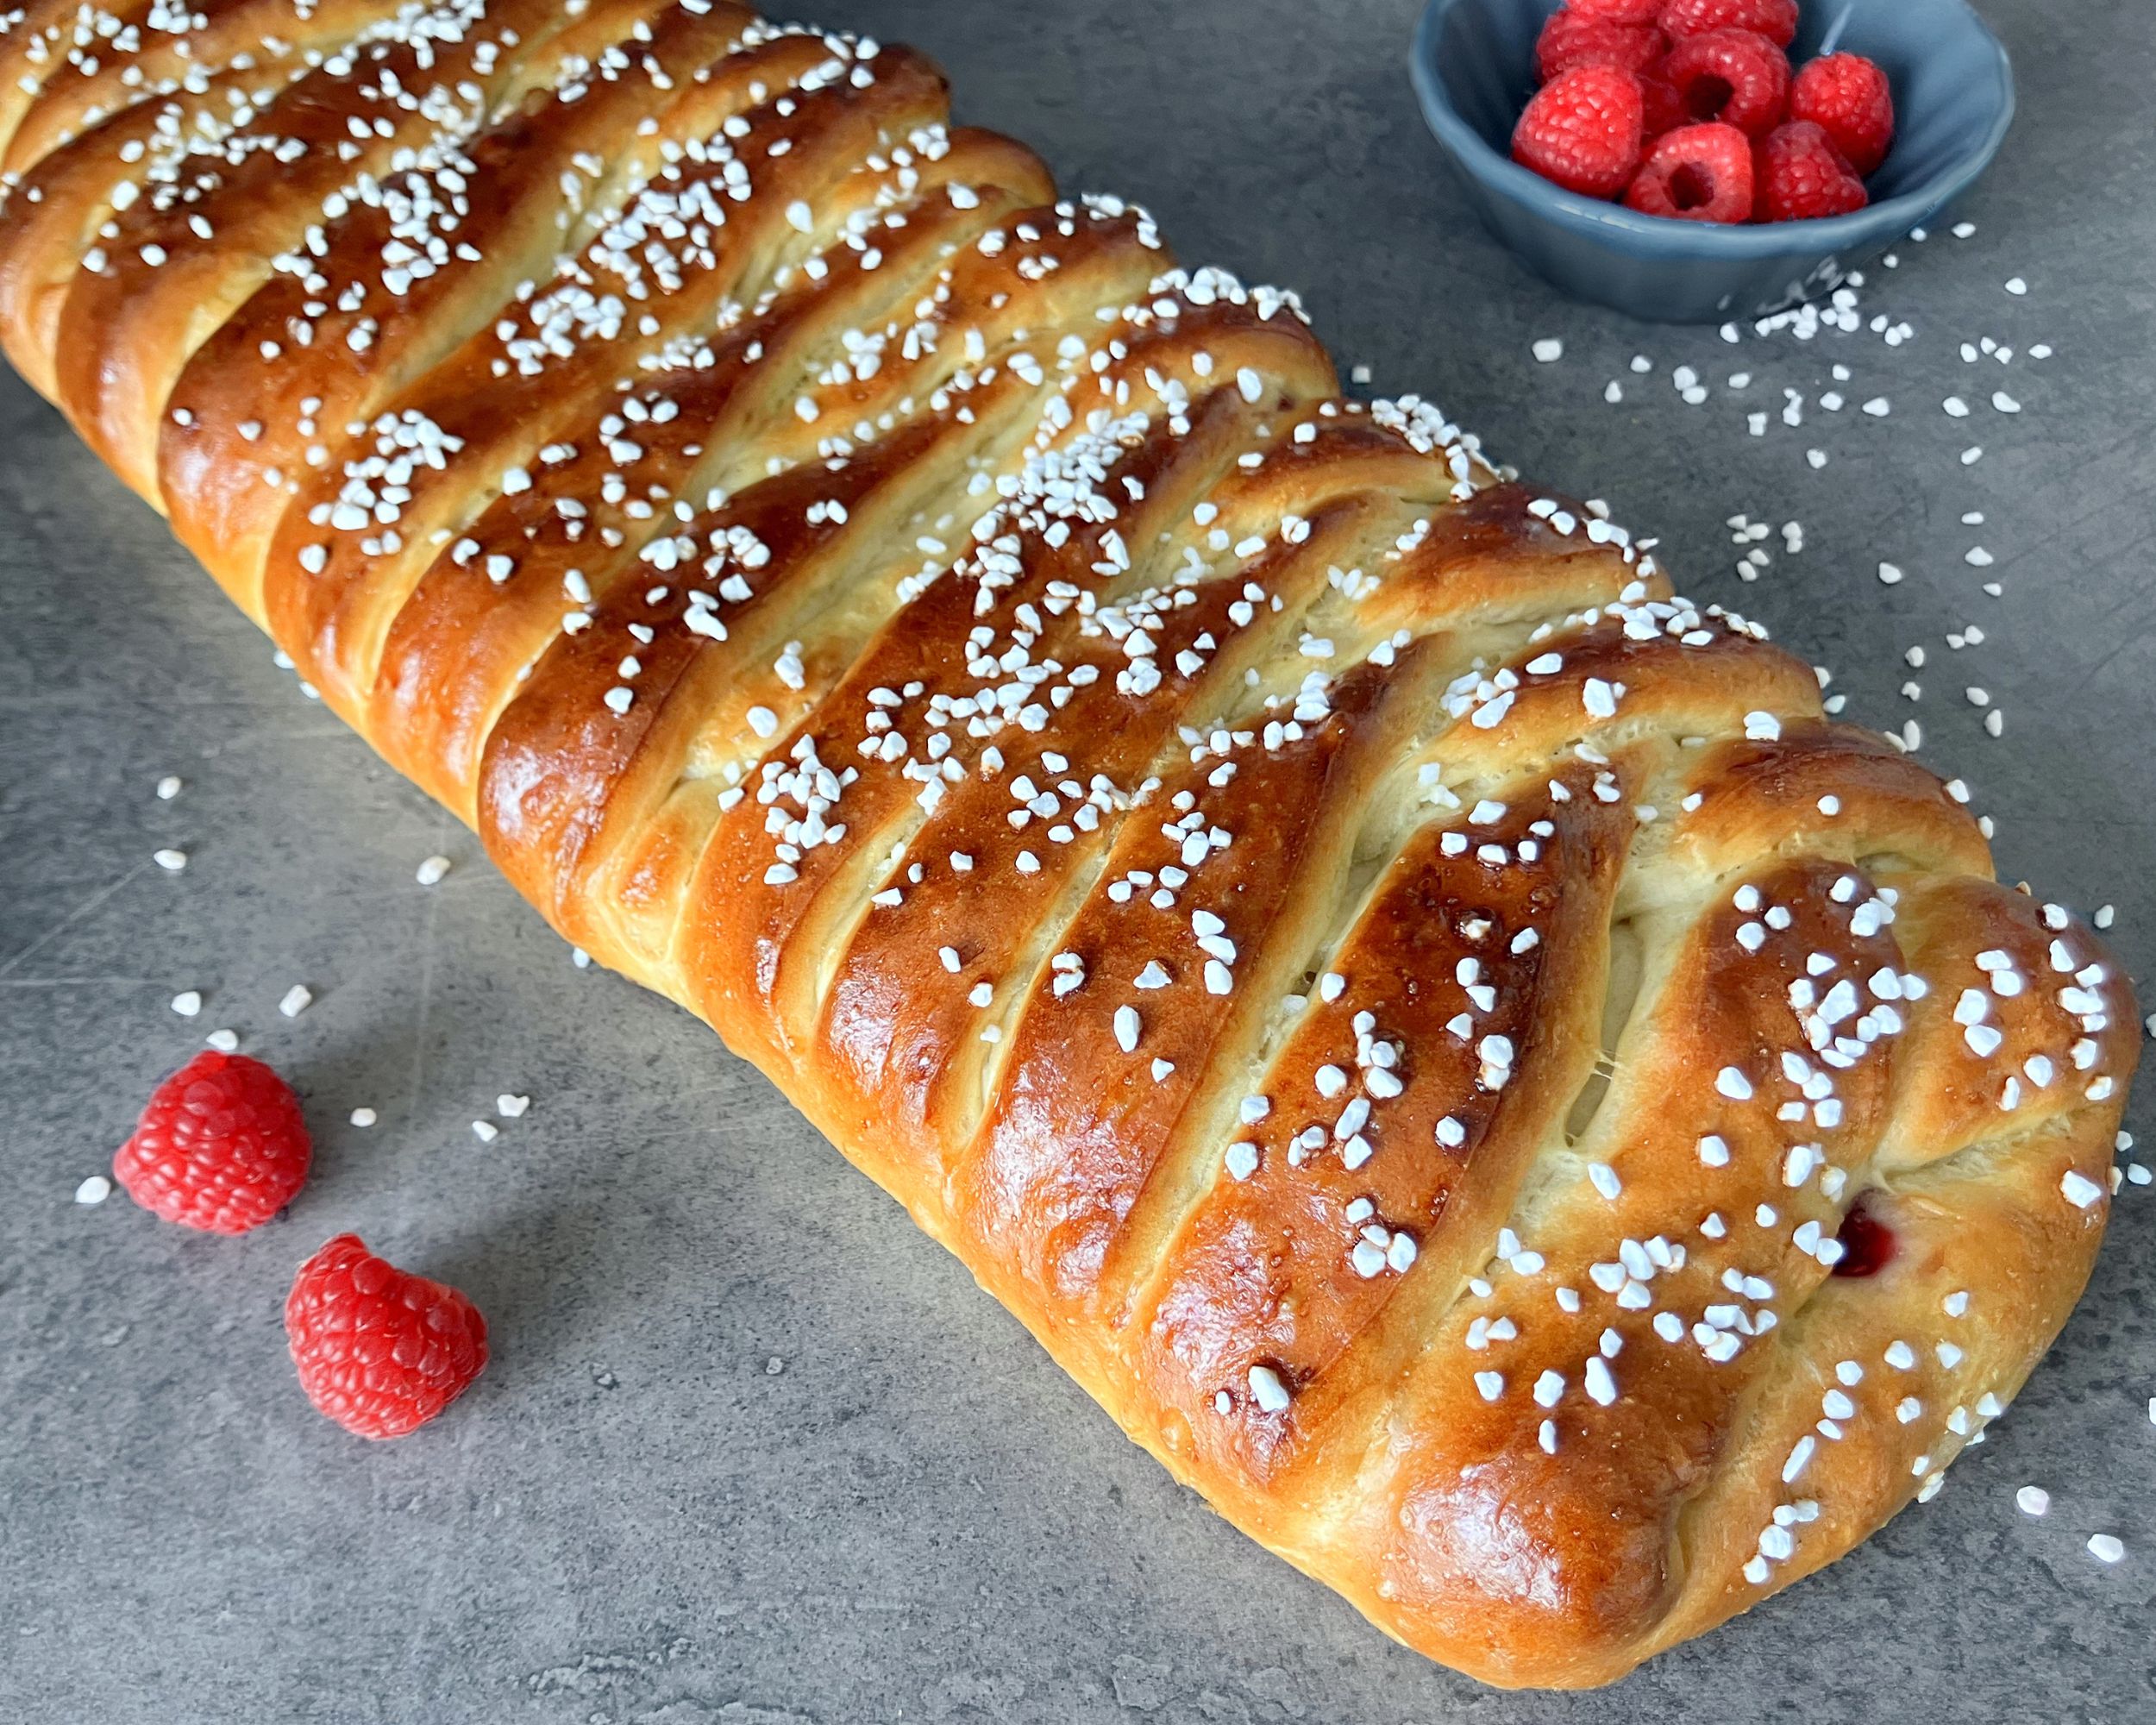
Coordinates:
x,y
401,278
1441,1036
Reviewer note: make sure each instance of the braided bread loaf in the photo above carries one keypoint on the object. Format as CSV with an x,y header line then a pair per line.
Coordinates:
x,y
1438,1035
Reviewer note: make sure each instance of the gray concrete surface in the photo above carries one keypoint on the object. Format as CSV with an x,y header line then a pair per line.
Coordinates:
x,y
751,1451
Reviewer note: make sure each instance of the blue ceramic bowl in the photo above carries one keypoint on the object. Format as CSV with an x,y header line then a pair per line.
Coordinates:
x,y
1954,97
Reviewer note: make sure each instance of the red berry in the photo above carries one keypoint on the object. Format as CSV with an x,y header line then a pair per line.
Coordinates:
x,y
379,1352
1737,77
221,1146
1617,11
1664,108
1571,38
1847,95
1697,173
1581,130
1800,174
1776,20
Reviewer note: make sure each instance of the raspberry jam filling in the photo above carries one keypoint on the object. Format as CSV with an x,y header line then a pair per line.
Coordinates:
x,y
1867,1243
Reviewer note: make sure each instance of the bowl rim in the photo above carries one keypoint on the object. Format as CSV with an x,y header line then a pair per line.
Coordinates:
x,y
1830,234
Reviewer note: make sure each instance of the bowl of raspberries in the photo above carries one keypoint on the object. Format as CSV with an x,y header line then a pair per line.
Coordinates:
x,y
1701,160
1690,109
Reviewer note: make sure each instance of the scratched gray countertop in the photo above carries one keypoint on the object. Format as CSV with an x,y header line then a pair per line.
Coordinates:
x,y
752,1451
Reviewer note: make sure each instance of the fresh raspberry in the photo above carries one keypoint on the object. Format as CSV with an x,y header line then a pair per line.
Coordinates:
x,y
1697,173
1847,96
1799,174
1618,11
1662,108
1581,130
221,1146
1776,20
1737,77
379,1352
1571,38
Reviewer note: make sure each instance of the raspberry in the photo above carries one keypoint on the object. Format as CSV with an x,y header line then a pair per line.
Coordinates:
x,y
1571,38
1663,108
1737,77
1776,20
1581,130
1847,96
1616,11
1799,174
379,1352
1697,173
221,1146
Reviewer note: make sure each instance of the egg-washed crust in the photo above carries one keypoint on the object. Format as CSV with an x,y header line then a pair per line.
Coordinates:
x,y
1403,1005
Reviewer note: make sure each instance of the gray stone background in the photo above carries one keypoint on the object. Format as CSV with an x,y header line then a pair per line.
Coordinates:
x,y
750,1450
